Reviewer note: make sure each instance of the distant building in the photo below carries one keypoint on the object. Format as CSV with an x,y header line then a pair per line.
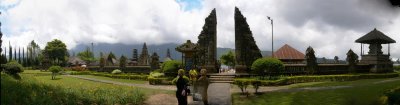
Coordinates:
x,y
76,61
289,55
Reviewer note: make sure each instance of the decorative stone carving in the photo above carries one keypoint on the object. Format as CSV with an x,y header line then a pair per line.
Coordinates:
x,y
246,49
206,56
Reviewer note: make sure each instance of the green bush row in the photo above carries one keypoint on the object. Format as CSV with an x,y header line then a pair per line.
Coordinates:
x,y
119,76
159,81
302,79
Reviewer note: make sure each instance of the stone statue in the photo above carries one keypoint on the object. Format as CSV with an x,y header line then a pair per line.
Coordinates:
x,y
352,59
246,49
202,86
155,62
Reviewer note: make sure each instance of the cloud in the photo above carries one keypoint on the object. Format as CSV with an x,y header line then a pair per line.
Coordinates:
x,y
330,27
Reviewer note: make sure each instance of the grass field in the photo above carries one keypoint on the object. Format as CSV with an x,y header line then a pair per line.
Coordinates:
x,y
362,92
36,87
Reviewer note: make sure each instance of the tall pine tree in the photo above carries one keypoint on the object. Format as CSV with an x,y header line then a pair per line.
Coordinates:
x,y
19,55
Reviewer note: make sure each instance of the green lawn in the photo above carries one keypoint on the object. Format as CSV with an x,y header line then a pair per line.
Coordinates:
x,y
363,92
115,79
70,82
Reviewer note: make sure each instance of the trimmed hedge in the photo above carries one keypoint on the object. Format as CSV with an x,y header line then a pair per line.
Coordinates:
x,y
159,81
118,76
302,79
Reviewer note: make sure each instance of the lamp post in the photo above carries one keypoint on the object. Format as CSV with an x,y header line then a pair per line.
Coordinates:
x,y
272,28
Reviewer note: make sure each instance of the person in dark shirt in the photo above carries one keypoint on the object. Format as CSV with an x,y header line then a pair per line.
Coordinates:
x,y
181,85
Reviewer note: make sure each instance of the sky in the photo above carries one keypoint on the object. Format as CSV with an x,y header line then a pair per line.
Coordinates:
x,y
329,26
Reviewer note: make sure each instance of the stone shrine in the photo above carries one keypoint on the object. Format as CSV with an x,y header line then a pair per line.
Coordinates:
x,y
144,56
380,62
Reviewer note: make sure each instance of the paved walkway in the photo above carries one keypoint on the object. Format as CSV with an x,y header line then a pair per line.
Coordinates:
x,y
219,94
162,87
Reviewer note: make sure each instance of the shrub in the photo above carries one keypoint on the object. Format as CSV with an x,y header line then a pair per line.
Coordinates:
x,y
80,73
393,96
397,68
242,84
13,68
256,85
171,67
156,74
54,70
271,66
116,71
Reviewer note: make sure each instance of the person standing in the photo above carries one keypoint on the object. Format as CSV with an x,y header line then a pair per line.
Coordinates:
x,y
181,85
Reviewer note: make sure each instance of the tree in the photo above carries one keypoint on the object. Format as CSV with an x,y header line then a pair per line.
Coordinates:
x,y
270,66
311,60
228,59
351,59
10,54
54,71
13,68
87,56
56,50
19,56
122,61
336,58
398,60
3,60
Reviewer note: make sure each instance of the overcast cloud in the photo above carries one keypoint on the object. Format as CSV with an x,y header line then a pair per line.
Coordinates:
x,y
329,26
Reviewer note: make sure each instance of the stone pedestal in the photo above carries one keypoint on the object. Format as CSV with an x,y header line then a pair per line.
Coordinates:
x,y
380,63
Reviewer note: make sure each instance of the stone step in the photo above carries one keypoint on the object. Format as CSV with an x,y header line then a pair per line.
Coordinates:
x,y
221,79
222,76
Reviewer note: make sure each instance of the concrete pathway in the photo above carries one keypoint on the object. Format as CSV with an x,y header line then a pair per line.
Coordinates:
x,y
219,94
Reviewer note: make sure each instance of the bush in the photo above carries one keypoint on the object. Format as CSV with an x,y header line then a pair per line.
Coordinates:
x,y
271,66
393,96
396,68
156,74
242,84
116,71
81,73
158,81
171,67
256,85
54,70
13,68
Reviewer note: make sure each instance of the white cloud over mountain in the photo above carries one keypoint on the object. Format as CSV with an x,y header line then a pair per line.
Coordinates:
x,y
329,26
